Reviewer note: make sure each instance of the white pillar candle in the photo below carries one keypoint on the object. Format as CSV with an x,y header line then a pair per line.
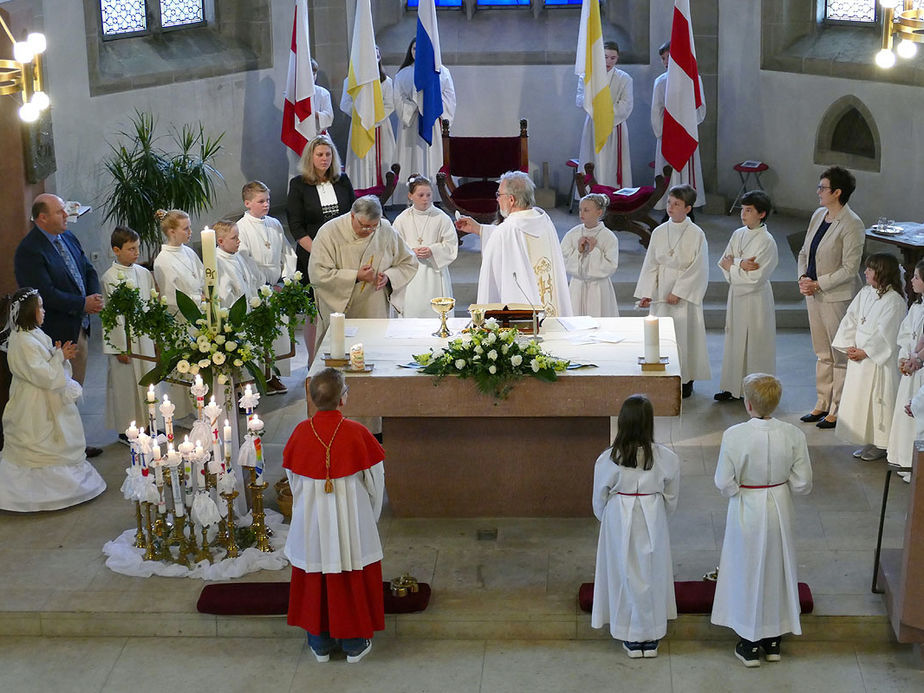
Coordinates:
x,y
175,460
337,335
152,396
652,340
209,260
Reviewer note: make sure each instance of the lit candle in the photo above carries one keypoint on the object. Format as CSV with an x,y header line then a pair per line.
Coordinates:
x,y
227,440
132,431
167,409
152,396
209,260
652,340
337,335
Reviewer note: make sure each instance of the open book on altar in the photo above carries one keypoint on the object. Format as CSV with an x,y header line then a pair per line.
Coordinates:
x,y
519,315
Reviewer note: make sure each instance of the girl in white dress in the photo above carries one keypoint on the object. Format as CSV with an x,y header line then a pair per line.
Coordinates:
x,y
43,466
635,490
910,363
431,236
868,334
591,253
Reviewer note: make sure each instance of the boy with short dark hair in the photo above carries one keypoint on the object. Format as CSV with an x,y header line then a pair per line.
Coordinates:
x,y
125,399
761,463
673,281
750,316
334,463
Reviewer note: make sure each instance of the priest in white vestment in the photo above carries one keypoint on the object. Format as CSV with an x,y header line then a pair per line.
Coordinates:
x,y
612,164
521,260
359,265
761,463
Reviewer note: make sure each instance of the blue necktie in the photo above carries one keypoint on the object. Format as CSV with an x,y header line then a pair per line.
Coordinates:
x,y
74,272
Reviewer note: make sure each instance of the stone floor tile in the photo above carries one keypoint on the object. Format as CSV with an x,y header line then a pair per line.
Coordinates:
x,y
60,665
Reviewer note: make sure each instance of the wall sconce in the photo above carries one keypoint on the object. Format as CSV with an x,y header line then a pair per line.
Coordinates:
x,y
905,22
24,74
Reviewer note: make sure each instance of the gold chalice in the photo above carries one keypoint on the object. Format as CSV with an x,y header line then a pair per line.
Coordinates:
x,y
442,305
477,314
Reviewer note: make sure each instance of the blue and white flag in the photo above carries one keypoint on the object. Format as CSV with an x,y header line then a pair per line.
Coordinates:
x,y
427,66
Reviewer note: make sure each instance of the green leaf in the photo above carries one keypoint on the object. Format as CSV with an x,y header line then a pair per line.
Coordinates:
x,y
238,310
188,307
256,370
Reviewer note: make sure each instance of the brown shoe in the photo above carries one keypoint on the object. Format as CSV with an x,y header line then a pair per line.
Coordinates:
x,y
274,386
91,451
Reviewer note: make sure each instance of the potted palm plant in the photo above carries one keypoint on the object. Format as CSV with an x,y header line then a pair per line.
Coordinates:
x,y
146,177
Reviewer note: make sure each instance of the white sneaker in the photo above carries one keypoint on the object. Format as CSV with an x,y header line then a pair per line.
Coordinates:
x,y
352,659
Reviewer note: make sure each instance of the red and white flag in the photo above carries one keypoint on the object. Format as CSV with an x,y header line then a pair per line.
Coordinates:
x,y
297,123
680,135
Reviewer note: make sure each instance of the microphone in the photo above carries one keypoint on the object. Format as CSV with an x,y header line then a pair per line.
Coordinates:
x,y
531,305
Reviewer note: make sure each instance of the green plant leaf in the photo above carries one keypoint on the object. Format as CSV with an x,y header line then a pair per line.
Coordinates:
x,y
238,310
188,307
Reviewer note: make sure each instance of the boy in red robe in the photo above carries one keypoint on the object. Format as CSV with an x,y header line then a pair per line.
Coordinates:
x,y
335,468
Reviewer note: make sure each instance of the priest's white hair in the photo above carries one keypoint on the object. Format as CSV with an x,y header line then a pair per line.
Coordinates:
x,y
367,207
521,186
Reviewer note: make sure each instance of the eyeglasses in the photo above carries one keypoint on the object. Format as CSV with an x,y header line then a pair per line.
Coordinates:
x,y
499,193
366,227
823,187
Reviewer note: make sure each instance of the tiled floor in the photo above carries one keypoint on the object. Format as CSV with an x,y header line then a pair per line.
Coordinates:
x,y
503,615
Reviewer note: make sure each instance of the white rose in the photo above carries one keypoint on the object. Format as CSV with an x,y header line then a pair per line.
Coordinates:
x,y
505,348
222,378
204,363
230,345
204,347
154,293
297,276
492,369
129,283
460,364
163,300
516,360
182,366
255,302
265,290
120,275
193,369
491,338
223,313
534,364
491,323
218,358
220,339
478,349
492,355
227,328
287,281
238,363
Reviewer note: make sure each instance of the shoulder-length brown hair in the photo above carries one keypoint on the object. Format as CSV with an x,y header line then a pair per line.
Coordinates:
x,y
306,167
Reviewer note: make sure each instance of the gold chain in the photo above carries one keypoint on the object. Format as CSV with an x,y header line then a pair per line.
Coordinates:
x,y
328,484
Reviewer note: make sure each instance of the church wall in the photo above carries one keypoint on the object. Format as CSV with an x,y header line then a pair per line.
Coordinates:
x,y
774,117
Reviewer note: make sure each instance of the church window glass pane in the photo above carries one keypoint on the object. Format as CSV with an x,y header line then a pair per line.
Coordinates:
x,y
503,3
851,10
439,3
123,16
181,12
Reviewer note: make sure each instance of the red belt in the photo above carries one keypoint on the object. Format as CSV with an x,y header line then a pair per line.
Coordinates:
x,y
620,493
767,486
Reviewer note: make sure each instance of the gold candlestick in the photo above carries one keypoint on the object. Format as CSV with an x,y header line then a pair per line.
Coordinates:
x,y
231,545
178,538
139,533
149,553
259,517
204,554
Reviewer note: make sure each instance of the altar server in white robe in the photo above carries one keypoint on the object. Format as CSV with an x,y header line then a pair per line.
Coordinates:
x,y
521,260
911,366
761,463
591,254
431,236
868,334
359,265
692,173
43,465
673,281
414,154
635,491
178,268
238,275
125,399
370,171
612,164
750,316
322,109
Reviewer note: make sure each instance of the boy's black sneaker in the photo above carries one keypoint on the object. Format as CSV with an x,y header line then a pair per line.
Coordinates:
x,y
748,653
634,649
771,649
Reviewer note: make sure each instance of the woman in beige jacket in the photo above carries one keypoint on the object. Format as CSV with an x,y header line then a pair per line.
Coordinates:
x,y
829,278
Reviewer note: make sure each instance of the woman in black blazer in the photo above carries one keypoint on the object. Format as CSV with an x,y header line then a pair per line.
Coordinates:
x,y
319,194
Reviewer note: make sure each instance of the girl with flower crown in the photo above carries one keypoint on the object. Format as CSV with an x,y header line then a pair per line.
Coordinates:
x,y
43,466
431,236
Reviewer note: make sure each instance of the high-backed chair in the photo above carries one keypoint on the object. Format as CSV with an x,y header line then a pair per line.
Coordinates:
x,y
382,189
628,212
484,159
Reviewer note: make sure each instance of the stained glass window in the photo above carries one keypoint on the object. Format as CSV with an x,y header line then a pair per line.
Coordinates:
x,y
439,3
123,16
503,3
181,12
851,10
549,3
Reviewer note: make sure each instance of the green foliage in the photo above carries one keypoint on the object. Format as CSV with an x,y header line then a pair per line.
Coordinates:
x,y
146,177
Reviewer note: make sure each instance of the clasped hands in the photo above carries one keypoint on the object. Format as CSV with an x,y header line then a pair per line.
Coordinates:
x,y
808,286
747,265
367,274
93,303
423,252
855,354
672,299
586,244
69,349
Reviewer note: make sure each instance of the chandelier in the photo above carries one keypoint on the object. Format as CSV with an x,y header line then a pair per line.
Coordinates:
x,y
23,74
903,20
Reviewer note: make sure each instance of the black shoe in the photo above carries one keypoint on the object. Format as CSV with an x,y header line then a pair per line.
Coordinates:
x,y
635,650
771,648
813,418
748,653
124,439
724,396
91,451
825,424
686,389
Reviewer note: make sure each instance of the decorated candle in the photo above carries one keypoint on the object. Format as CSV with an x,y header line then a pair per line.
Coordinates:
x,y
357,357
652,340
227,441
167,409
337,332
258,467
209,260
174,460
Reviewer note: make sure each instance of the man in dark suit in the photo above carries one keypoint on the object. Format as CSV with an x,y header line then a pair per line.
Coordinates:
x,y
51,260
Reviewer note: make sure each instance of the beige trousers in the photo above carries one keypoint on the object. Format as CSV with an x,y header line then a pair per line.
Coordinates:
x,y
824,319
79,362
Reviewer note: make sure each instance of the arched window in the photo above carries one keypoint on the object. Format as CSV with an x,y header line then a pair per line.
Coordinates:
x,y
848,136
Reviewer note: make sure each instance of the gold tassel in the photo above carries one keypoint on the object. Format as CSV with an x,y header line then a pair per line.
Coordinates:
x,y
328,486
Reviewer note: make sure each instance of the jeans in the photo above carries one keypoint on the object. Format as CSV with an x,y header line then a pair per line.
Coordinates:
x,y
323,644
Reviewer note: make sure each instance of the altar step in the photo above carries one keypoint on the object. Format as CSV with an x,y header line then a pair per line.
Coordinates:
x,y
469,622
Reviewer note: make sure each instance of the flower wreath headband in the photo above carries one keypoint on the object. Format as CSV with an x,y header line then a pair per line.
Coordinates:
x,y
15,306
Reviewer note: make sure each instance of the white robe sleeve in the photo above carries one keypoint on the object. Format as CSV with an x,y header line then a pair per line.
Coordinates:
x,y
325,110
448,91
800,476
38,366
880,345
603,483
765,255
692,282
846,335
403,265
333,285
446,249
374,481
388,100
671,482
647,285
569,251
657,107
622,98
726,474
346,101
602,261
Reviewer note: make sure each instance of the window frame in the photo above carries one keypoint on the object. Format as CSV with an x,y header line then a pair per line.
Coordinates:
x,y
154,16
877,17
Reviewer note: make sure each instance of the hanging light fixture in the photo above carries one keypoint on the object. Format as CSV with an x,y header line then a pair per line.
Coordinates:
x,y
23,74
902,20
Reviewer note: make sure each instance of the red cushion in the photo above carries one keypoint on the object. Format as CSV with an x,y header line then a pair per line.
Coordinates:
x,y
483,157
751,169
478,196
624,203
375,190
693,597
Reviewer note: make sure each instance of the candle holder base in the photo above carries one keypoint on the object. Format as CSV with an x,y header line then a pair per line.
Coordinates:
x,y
659,366
336,361
140,541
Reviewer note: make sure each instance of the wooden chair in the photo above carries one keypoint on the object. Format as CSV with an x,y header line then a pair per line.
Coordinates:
x,y
628,212
383,189
484,159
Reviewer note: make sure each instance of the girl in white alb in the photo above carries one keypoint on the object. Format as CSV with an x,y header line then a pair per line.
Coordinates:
x,y
868,334
591,253
431,236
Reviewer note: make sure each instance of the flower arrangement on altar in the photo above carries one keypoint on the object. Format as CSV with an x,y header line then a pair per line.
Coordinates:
x,y
494,358
216,344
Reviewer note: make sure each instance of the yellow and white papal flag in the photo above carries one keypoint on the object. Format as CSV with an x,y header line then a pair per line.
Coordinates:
x,y
363,82
590,65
